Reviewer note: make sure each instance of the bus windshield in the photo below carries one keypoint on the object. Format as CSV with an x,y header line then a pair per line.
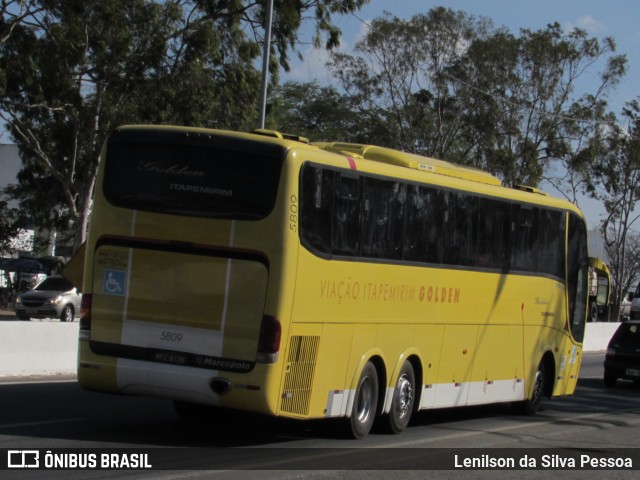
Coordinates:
x,y
200,178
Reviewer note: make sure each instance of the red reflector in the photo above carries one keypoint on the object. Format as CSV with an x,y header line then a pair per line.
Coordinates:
x,y
85,312
270,332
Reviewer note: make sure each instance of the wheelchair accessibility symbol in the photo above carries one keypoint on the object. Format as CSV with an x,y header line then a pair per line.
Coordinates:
x,y
114,282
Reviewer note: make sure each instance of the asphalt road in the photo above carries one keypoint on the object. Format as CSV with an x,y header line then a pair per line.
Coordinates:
x,y
57,414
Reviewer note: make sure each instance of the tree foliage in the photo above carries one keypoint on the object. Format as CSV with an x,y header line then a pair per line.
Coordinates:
x,y
317,112
13,13
615,177
397,79
449,85
72,70
522,101
243,15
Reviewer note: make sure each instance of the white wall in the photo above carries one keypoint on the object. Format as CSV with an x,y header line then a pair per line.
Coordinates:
x,y
38,348
50,348
598,335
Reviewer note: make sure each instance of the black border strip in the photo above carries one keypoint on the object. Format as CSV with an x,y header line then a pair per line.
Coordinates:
x,y
546,461
171,357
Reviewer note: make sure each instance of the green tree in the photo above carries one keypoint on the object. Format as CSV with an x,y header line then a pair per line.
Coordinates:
x,y
616,182
75,69
521,100
449,85
626,277
320,113
14,12
242,15
397,78
72,72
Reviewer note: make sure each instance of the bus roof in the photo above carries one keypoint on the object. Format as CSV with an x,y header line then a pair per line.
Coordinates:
x,y
409,160
598,265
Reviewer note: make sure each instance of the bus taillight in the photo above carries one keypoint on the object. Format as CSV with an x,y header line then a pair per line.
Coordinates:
x,y
85,317
269,341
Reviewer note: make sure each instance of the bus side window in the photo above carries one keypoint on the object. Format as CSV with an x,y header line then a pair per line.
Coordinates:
x,y
551,252
417,228
524,238
317,194
460,229
466,229
383,219
448,227
423,235
346,218
494,222
577,276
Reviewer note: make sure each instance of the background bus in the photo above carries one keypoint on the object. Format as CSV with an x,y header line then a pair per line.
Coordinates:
x,y
599,290
262,273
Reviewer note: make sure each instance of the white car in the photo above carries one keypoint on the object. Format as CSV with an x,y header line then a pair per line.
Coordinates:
x,y
625,306
54,297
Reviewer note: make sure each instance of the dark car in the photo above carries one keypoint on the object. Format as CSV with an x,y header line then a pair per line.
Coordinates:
x,y
54,297
623,354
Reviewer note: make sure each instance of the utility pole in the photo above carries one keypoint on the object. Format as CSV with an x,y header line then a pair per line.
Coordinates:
x,y
265,62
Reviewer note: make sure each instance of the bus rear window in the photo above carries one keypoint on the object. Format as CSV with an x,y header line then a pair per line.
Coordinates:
x,y
195,175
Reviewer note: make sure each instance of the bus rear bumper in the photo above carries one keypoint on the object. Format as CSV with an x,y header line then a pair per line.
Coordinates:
x,y
175,382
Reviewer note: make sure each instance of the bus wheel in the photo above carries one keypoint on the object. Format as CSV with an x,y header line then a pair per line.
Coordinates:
x,y
365,403
404,395
532,405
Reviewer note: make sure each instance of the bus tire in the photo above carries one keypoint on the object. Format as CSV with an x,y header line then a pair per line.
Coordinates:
x,y
404,395
365,403
531,405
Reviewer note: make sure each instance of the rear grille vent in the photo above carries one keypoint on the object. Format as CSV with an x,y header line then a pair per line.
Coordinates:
x,y
298,379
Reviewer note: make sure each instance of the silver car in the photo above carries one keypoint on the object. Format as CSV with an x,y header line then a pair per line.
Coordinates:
x,y
54,297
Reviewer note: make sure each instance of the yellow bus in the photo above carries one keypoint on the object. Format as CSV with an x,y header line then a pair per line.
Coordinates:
x,y
260,272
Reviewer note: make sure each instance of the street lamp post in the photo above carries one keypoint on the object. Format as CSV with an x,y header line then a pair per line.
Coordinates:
x,y
265,62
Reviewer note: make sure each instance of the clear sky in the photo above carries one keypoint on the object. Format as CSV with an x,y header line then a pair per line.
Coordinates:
x,y
619,19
